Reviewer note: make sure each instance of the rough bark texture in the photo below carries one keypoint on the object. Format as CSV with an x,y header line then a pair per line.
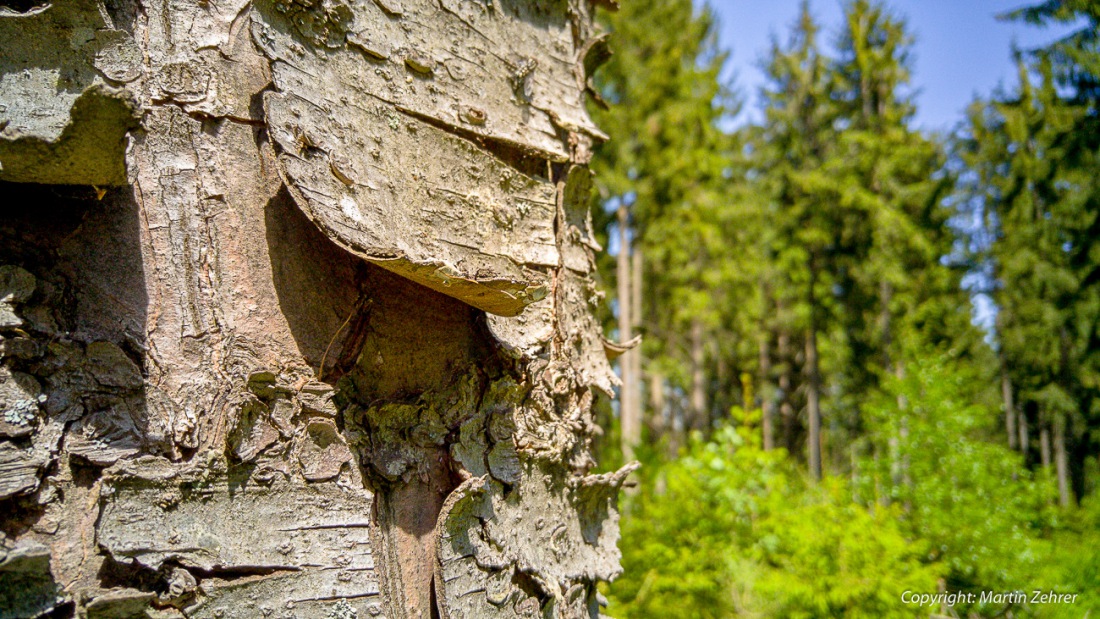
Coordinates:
x,y
296,310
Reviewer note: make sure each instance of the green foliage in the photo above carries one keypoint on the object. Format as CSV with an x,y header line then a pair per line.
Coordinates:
x,y
679,527
671,165
826,556
980,510
823,253
1038,189
1072,560
729,529
857,222
1075,57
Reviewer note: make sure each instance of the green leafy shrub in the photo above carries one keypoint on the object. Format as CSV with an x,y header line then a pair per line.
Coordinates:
x,y
980,510
729,529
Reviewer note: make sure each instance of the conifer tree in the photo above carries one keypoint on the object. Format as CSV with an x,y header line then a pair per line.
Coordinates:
x,y
794,145
1037,211
891,181
667,165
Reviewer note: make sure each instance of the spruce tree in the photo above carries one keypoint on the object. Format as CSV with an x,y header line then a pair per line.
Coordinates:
x,y
667,165
793,147
1037,212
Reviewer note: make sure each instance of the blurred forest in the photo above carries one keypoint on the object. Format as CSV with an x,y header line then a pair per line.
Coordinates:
x,y
822,425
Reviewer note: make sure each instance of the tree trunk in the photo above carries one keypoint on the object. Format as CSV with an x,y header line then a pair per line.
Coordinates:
x,y
886,295
813,409
294,294
1044,443
1021,426
786,407
630,423
813,377
699,415
1061,461
1010,409
905,480
767,401
658,420
636,318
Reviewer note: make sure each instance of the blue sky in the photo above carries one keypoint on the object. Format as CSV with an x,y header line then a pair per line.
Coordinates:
x,y
961,48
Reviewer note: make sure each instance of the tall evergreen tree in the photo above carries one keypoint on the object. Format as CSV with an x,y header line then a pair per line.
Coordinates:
x,y
1074,58
1038,211
895,289
860,227
667,166
792,149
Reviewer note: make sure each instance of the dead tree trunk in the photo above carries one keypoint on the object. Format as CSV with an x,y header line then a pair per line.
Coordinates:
x,y
296,310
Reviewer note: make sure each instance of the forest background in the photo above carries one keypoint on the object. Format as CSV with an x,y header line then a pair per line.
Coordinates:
x,y
822,425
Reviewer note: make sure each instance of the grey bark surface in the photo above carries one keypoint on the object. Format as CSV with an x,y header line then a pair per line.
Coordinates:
x,y
297,311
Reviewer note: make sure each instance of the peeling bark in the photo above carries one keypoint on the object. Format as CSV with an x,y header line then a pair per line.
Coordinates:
x,y
295,296
523,552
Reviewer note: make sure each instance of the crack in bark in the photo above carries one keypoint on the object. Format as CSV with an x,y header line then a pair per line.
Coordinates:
x,y
202,116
